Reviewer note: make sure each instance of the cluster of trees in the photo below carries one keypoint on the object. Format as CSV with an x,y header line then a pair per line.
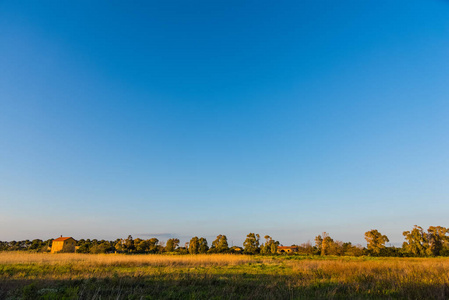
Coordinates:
x,y
433,242
34,245
252,245
325,245
418,243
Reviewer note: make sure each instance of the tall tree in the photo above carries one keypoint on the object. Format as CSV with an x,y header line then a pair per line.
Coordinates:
x,y
324,243
327,245
194,245
129,244
171,245
153,245
119,246
437,239
202,245
270,246
220,244
376,241
306,248
251,244
318,243
141,245
416,241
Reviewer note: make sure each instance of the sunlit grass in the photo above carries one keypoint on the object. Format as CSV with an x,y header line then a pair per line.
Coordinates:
x,y
123,259
117,276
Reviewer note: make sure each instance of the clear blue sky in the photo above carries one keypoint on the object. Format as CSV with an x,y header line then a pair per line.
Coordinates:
x,y
183,118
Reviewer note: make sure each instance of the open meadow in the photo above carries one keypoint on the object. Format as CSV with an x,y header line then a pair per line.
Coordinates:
x,y
219,276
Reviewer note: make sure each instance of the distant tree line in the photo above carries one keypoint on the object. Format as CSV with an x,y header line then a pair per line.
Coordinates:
x,y
418,243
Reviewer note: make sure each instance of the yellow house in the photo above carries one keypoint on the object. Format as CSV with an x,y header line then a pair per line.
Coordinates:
x,y
63,244
287,249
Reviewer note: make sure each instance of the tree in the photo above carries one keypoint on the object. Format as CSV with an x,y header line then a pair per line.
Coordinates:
x,y
194,245
270,246
416,241
36,244
171,245
118,246
306,248
129,244
103,247
352,250
324,244
334,247
153,246
327,244
437,239
141,245
220,244
319,243
376,241
202,245
84,248
251,244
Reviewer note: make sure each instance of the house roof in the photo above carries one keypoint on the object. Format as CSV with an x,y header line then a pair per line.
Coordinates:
x,y
287,247
60,239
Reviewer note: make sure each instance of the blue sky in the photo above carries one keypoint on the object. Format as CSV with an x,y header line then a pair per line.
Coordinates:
x,y
184,118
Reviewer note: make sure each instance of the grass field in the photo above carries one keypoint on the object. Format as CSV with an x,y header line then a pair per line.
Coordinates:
x,y
114,276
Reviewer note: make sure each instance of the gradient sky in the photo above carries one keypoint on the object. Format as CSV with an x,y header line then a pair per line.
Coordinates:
x,y
183,118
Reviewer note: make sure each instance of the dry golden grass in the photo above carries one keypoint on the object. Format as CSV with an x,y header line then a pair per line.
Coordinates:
x,y
8,258
397,271
222,276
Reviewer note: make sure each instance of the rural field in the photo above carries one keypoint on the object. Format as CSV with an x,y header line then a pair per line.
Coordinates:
x,y
219,276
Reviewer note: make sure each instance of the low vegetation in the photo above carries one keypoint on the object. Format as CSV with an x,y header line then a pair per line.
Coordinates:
x,y
418,243
219,276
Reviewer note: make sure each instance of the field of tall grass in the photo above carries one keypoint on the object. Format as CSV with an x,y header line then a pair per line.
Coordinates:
x,y
226,276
